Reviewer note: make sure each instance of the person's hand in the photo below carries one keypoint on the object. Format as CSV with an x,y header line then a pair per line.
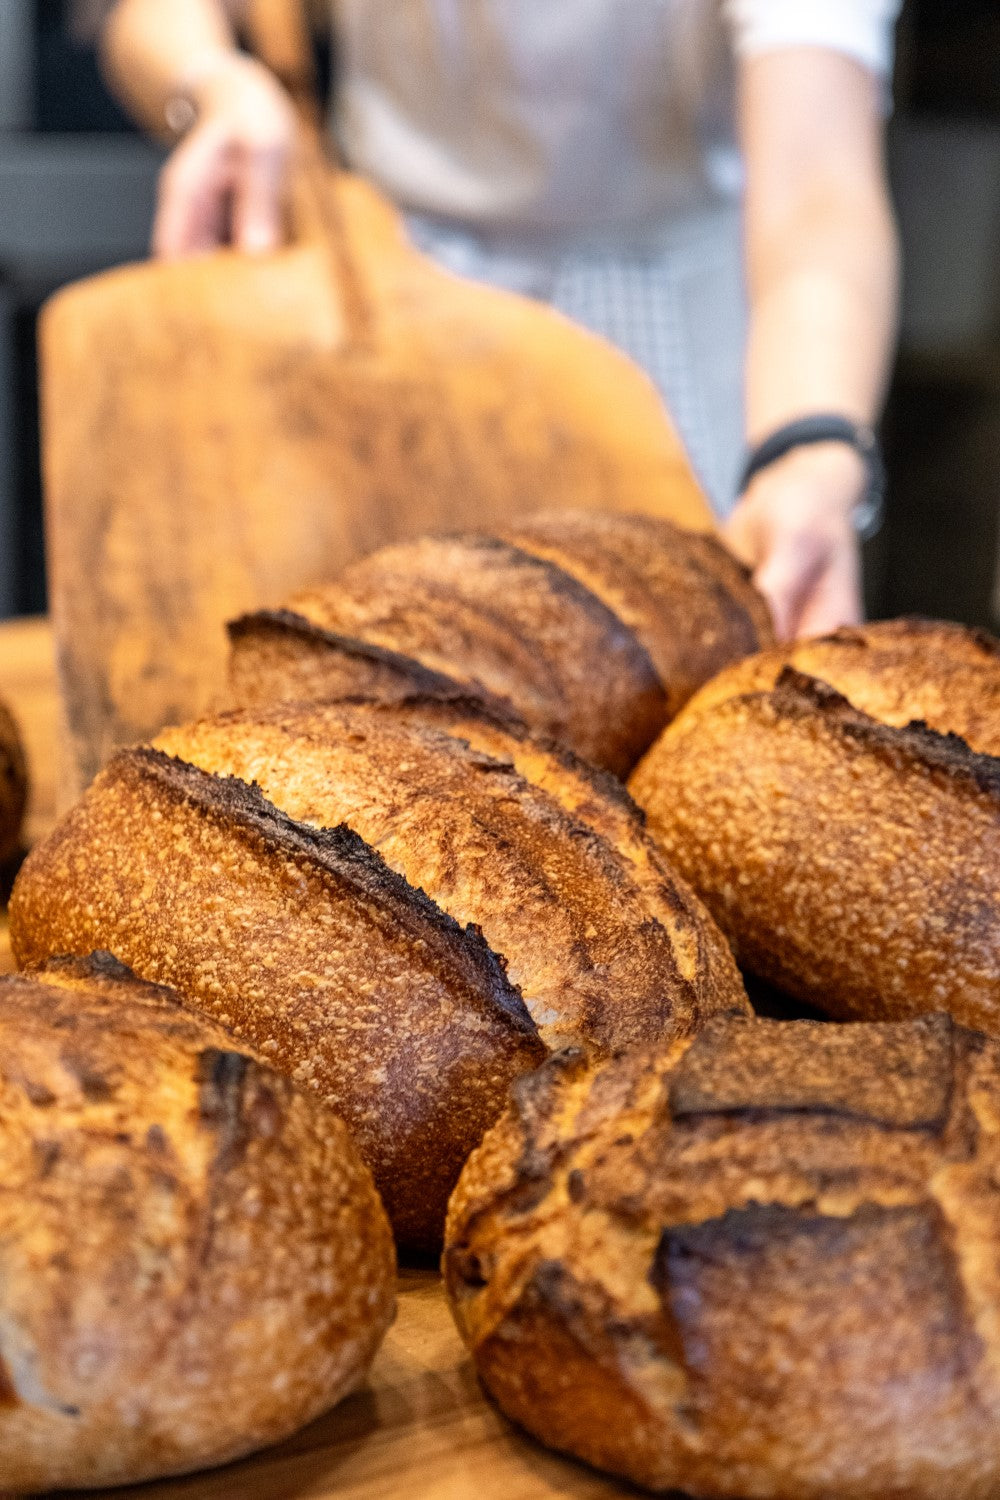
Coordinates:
x,y
794,529
225,182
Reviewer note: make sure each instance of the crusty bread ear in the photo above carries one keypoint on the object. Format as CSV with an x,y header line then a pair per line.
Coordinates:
x,y
762,1262
686,598
13,785
390,909
193,1259
852,857
594,628
899,672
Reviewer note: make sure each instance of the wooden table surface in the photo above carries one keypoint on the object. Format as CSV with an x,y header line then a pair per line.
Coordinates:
x,y
420,1428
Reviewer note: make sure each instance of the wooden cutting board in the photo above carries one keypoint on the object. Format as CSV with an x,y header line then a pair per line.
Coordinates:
x,y
219,431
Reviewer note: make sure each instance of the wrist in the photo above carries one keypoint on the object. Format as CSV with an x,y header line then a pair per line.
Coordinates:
x,y
833,475
837,462
212,83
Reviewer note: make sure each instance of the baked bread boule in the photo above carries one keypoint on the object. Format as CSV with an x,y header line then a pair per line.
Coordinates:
x,y
762,1262
593,627
403,921
851,857
193,1260
13,785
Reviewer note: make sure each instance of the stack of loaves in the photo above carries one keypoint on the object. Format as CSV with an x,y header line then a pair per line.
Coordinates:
x,y
406,898
399,871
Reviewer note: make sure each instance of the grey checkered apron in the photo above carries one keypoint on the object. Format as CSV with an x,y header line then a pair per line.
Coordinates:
x,y
676,309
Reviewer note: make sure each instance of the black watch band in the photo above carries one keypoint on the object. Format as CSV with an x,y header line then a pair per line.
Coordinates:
x,y
828,427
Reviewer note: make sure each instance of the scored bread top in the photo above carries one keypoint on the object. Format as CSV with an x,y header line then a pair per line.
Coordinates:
x,y
496,618
759,1262
897,671
853,863
306,944
604,946
193,1260
687,598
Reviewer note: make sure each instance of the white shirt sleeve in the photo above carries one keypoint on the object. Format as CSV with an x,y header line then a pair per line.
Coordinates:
x,y
863,29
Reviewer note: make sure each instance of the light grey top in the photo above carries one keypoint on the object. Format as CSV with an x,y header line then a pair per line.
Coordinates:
x,y
590,119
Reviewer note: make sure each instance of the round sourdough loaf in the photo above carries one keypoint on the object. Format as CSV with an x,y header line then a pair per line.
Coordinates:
x,y
762,1262
404,914
193,1260
593,627
837,807
13,785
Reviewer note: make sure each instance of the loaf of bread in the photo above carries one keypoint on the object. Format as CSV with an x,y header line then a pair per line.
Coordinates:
x,y
403,915
13,785
193,1259
762,1262
593,627
850,852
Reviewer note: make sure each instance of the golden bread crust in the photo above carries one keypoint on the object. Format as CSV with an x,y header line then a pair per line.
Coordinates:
x,y
503,622
852,861
193,1260
302,942
13,785
689,601
897,671
277,654
759,1262
396,917
593,628
600,955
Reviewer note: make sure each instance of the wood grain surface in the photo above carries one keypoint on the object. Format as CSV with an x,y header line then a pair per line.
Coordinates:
x,y
420,1428
219,431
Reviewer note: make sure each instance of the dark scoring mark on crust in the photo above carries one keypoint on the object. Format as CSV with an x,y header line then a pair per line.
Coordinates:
x,y
420,679
871,637
898,1075
564,584
221,1078
346,856
494,715
797,695
100,966
788,1286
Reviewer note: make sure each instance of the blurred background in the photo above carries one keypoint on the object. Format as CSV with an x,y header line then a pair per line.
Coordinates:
x,y
76,195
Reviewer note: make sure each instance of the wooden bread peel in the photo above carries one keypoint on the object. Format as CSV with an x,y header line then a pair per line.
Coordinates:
x,y
219,431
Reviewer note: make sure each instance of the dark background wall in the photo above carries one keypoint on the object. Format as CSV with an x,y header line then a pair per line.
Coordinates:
x,y
76,194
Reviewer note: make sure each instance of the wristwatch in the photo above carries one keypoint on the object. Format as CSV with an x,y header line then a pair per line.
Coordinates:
x,y
828,427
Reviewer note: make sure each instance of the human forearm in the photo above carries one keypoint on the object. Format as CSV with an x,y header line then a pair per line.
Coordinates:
x,y
225,180
822,284
822,274
148,48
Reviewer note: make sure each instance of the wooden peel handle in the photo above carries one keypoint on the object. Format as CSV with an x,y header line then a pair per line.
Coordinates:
x,y
278,32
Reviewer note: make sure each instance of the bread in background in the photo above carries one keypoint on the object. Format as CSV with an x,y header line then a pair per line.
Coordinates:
x,y
593,627
852,857
193,1259
13,785
394,913
762,1262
